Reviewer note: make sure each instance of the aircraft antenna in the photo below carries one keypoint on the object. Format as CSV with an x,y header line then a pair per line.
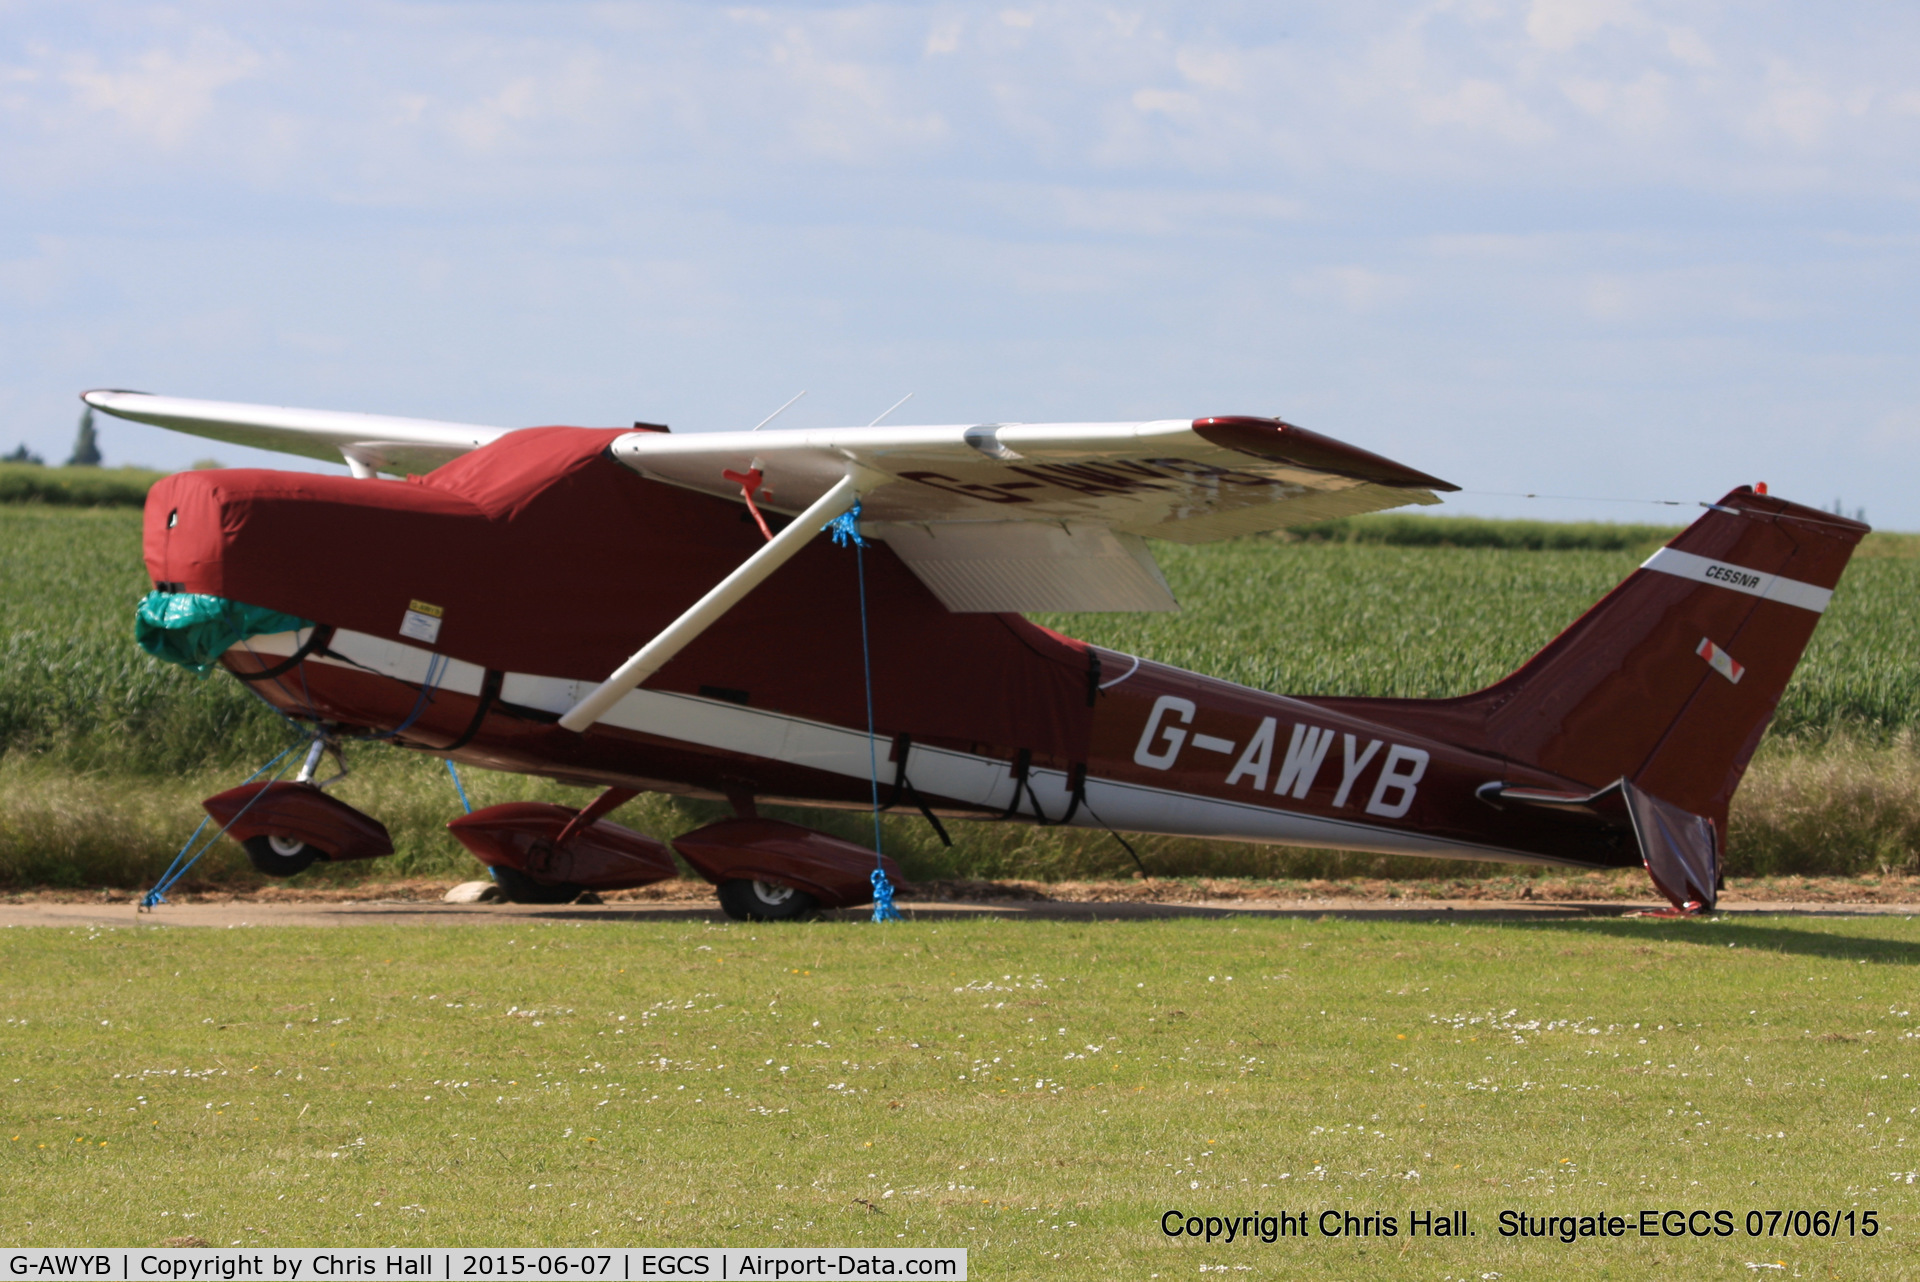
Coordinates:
x,y
777,413
891,408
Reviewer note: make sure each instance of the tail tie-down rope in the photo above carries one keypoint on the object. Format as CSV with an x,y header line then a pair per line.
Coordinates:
x,y
845,529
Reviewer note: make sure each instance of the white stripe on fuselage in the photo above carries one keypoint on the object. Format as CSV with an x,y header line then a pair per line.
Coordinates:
x,y
983,782
1721,574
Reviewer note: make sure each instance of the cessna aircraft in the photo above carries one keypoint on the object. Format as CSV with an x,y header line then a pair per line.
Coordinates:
x,y
637,610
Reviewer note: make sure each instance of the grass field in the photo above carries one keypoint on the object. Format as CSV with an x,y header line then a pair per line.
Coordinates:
x,y
1042,1093
104,753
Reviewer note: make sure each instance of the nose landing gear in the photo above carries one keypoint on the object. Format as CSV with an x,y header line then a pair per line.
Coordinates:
x,y
285,827
277,855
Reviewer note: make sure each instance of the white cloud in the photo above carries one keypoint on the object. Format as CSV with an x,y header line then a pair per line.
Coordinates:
x,y
1793,109
1166,102
1687,45
162,94
1210,68
1560,25
1640,105
846,108
484,124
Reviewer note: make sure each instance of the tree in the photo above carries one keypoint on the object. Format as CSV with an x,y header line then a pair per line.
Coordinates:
x,y
86,449
22,455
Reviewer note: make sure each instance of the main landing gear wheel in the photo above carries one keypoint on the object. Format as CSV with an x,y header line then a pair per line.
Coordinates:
x,y
279,856
764,901
518,888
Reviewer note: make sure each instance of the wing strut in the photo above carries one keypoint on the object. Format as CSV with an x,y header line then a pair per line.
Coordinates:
x,y
724,595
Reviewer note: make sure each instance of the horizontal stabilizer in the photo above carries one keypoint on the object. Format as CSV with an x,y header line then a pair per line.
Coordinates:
x,y
1679,848
1605,806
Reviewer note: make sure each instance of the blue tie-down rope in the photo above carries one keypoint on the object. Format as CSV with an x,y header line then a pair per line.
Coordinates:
x,y
883,909
845,529
459,787
182,861
464,803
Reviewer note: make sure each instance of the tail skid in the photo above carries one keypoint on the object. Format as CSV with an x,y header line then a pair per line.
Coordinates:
x,y
1664,687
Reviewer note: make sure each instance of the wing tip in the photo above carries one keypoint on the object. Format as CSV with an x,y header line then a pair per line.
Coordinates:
x,y
97,397
1274,438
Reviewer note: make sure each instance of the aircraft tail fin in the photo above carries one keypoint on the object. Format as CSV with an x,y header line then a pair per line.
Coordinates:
x,y
1669,681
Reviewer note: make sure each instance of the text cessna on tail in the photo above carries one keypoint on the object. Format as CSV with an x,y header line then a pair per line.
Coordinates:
x,y
642,611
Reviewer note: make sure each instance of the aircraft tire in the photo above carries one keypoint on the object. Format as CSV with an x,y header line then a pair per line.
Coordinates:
x,y
518,888
278,856
764,901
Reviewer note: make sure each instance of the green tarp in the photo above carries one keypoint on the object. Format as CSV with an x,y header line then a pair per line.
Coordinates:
x,y
194,630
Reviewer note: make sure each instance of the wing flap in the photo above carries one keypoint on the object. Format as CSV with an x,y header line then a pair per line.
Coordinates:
x,y
1307,508
1028,567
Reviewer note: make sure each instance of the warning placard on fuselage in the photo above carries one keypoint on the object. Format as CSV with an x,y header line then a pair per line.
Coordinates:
x,y
421,622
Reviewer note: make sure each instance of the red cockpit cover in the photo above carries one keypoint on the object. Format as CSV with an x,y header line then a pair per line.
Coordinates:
x,y
548,557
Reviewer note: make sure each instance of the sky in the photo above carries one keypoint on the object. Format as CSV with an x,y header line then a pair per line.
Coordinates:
x,y
1611,252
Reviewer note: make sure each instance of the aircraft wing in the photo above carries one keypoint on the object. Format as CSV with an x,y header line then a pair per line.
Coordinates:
x,y
992,517
368,443
1033,517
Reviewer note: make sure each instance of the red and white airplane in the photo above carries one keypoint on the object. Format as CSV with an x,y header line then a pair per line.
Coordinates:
x,y
637,610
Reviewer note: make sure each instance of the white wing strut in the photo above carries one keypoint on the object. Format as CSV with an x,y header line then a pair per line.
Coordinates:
x,y
724,595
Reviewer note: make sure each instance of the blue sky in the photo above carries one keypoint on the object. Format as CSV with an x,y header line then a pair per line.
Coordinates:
x,y
1608,249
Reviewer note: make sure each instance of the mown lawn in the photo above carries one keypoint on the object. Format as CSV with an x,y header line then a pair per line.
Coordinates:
x,y
1041,1093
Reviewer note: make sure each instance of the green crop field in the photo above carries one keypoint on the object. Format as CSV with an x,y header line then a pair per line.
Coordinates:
x,y
1042,1093
1426,622
76,486
104,753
